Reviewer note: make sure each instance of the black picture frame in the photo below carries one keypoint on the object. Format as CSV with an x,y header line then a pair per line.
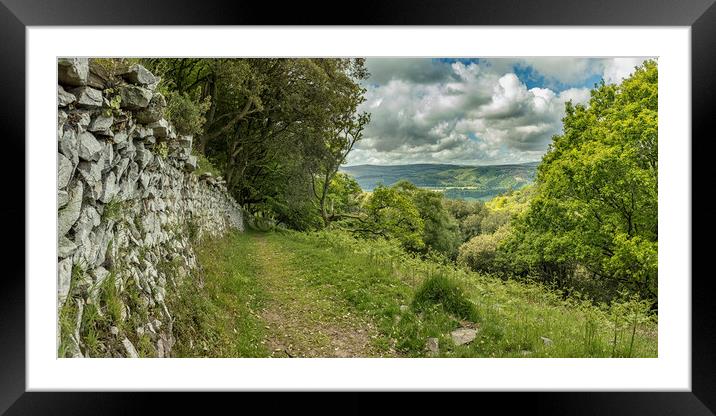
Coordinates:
x,y
15,15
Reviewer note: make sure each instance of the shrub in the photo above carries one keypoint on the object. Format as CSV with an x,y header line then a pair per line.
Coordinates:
x,y
494,220
469,216
481,252
471,226
186,115
440,290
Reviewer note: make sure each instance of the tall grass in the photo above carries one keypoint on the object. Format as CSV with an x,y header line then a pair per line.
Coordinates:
x,y
215,311
514,319
442,291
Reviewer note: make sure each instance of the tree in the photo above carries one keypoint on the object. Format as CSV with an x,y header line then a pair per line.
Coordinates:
x,y
468,214
346,126
391,214
596,195
344,195
440,229
278,129
186,85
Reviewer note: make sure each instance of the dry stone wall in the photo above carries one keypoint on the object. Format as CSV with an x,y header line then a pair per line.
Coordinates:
x,y
129,208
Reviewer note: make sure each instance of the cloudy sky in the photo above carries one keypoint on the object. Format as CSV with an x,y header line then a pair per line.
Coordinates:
x,y
473,111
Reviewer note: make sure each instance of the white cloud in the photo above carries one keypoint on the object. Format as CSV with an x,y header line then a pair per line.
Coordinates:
x,y
566,70
577,95
616,69
427,111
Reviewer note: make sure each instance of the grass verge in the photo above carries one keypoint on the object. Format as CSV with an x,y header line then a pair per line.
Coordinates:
x,y
214,311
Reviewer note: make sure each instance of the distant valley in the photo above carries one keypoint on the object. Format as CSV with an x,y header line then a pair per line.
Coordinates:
x,y
456,181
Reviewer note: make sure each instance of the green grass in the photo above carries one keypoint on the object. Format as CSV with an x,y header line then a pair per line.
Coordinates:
x,y
68,320
68,314
110,300
98,318
441,291
217,318
91,330
350,280
329,280
204,165
375,278
112,210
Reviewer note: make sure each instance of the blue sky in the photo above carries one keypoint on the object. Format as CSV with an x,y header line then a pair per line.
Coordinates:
x,y
473,110
531,77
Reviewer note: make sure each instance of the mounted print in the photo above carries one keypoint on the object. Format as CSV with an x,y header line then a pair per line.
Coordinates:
x,y
391,207
245,206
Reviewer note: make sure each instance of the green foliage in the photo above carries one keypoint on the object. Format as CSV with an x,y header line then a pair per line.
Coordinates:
x,y
94,330
115,102
416,217
301,214
440,290
513,202
272,124
111,67
204,165
628,314
494,220
344,194
192,229
392,214
110,300
482,253
277,129
501,209
100,312
469,216
162,149
112,210
440,230
67,321
635,259
261,220
186,114
596,195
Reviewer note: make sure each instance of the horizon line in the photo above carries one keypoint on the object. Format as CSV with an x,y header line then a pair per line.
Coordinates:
x,y
449,164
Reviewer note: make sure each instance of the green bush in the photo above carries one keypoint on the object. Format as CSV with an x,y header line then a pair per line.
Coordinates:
x,y
186,114
481,253
494,220
439,289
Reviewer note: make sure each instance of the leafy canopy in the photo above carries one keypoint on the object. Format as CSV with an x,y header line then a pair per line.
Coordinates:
x,y
596,194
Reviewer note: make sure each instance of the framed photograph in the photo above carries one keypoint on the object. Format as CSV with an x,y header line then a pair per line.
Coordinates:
x,y
462,198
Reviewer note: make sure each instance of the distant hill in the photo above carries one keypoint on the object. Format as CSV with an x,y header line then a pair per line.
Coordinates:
x,y
457,181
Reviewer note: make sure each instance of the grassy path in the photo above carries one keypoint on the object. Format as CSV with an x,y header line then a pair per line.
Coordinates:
x,y
302,320
261,295
288,294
